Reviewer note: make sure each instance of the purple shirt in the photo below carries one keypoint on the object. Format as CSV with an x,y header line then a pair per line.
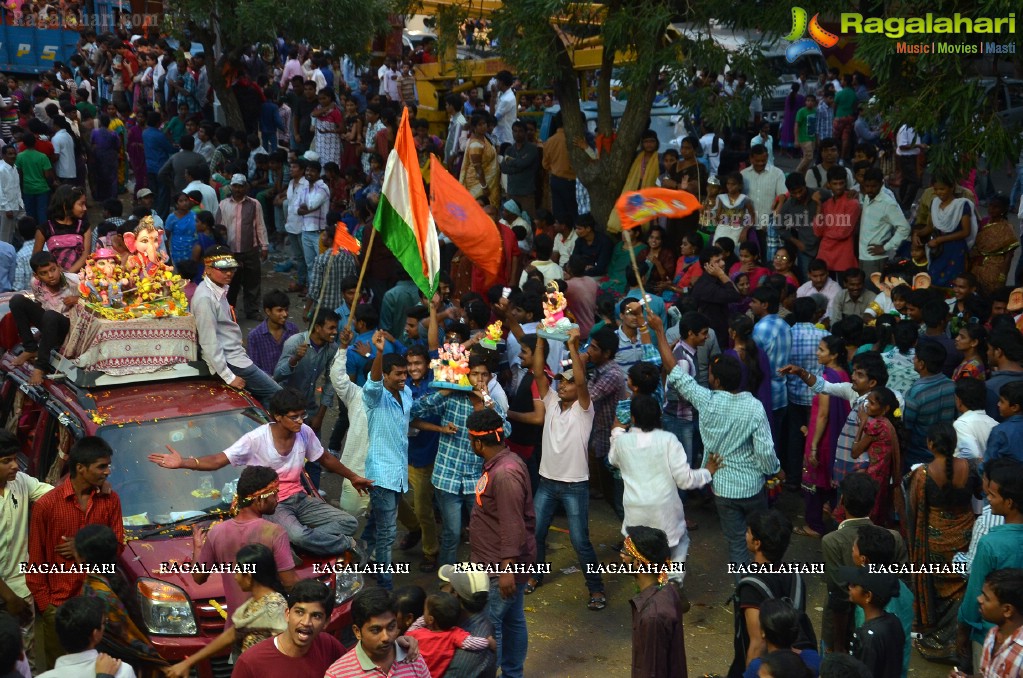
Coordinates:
x,y
225,539
264,350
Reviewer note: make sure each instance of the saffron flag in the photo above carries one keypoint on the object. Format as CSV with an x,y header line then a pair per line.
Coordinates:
x,y
461,218
403,216
638,207
343,240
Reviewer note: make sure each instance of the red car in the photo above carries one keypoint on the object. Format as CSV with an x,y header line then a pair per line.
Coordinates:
x,y
139,415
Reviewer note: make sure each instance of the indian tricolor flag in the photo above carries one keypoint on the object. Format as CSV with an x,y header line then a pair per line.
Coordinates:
x,y
403,217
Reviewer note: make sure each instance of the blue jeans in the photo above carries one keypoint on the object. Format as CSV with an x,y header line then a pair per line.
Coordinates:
x,y
257,382
295,241
683,430
451,507
733,514
382,528
509,620
35,206
1017,189
311,250
575,498
314,525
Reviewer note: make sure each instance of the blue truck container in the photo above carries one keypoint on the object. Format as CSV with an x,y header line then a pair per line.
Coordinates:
x,y
31,48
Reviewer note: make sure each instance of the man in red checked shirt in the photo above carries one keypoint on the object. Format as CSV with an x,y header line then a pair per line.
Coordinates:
x,y
56,519
501,534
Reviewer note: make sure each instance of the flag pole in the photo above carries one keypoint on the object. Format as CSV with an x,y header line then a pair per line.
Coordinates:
x,y
362,274
627,235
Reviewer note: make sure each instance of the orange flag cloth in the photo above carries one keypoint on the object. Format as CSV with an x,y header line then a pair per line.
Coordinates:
x,y
636,208
460,217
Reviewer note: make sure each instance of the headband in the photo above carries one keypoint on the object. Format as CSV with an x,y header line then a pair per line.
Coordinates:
x,y
499,431
267,491
631,550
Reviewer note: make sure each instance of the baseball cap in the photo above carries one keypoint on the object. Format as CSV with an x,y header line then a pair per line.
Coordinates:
x,y
311,156
465,583
238,180
875,582
142,192
220,258
567,374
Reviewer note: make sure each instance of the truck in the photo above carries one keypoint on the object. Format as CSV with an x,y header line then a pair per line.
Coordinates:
x,y
30,45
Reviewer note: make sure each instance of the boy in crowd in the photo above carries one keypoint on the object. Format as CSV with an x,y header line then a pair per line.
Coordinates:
x,y
439,636
859,492
379,649
1001,547
1001,604
80,624
879,642
303,649
56,293
266,340
973,425
929,400
1005,437
876,545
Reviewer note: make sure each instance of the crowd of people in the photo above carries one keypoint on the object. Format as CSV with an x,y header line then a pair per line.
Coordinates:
x,y
807,333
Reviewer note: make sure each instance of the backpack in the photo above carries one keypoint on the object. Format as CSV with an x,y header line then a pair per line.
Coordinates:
x,y
807,639
66,248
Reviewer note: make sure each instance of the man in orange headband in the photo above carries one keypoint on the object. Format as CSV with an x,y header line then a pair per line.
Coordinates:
x,y
256,497
501,533
658,639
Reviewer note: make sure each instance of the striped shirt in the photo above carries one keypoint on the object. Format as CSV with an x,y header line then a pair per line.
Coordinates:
x,y
985,521
805,339
456,468
930,400
735,427
774,337
387,456
357,664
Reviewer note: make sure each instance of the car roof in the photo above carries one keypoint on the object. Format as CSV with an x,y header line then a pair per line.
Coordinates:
x,y
133,403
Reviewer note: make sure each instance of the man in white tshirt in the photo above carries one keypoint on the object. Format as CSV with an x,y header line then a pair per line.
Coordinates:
x,y
564,468
907,150
507,108
286,445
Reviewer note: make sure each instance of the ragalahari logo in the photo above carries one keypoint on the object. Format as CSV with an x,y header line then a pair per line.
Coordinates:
x,y
812,45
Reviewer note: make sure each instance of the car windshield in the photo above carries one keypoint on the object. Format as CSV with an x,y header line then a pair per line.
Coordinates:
x,y
154,496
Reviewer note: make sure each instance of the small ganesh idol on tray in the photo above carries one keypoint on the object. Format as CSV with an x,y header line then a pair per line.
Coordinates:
x,y
555,325
492,337
103,281
451,368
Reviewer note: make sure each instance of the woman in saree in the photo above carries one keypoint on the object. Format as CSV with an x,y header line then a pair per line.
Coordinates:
x,y
123,639
481,175
644,173
614,281
949,233
992,253
939,523
260,617
827,415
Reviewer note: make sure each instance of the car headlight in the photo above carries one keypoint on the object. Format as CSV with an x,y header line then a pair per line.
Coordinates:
x,y
166,609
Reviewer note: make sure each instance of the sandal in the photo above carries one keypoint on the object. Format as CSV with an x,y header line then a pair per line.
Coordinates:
x,y
598,601
532,585
804,531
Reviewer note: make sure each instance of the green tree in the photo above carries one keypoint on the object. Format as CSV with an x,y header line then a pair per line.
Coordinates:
x,y
641,49
225,28
943,94
529,34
